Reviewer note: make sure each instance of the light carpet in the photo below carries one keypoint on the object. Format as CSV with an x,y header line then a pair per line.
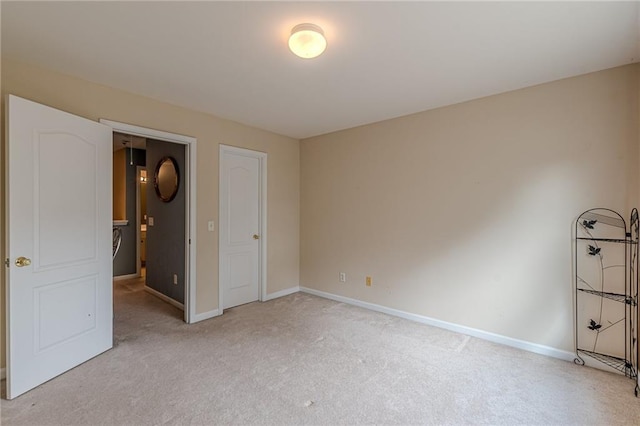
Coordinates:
x,y
302,359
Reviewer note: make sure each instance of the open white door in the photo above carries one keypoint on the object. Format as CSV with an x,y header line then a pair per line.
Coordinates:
x,y
59,269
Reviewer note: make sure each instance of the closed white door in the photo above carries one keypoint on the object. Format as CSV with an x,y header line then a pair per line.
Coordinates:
x,y
59,242
240,225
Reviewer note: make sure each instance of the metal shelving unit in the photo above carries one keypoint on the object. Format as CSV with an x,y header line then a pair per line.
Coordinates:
x,y
606,290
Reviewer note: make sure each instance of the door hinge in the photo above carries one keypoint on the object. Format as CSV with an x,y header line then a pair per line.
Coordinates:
x,y
189,240
6,262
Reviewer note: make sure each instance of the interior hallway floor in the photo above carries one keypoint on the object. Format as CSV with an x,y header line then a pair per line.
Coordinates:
x,y
302,359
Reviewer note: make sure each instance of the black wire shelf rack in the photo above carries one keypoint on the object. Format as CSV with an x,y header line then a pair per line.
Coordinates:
x,y
606,265
617,363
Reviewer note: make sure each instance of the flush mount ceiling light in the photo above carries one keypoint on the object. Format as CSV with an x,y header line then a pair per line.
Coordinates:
x,y
307,41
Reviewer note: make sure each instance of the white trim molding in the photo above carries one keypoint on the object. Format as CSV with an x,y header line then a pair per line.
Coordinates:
x,y
146,132
190,182
206,315
474,332
281,293
164,297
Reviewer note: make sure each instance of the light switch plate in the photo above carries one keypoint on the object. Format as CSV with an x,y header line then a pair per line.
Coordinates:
x,y
150,221
211,227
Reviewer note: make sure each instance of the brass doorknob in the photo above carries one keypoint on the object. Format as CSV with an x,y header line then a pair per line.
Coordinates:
x,y
22,261
256,236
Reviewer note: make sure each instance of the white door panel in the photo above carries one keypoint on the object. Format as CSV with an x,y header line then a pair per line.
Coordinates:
x,y
59,216
66,204
240,226
241,270
243,199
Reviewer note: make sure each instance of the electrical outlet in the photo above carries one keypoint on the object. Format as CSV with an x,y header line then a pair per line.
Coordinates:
x,y
343,277
368,281
150,221
175,279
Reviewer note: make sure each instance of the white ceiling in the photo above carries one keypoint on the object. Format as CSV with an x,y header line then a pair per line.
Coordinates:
x,y
384,59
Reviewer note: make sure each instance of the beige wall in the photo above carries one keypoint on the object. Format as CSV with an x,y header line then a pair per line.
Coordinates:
x,y
461,213
95,101
464,213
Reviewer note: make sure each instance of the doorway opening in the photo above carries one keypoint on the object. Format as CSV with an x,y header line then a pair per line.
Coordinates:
x,y
129,163
141,217
159,231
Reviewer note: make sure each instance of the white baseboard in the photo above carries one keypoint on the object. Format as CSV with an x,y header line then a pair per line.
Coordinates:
x,y
205,315
216,312
3,373
125,277
282,293
164,297
485,335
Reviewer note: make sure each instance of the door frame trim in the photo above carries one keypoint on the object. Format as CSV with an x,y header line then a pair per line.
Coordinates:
x,y
262,203
190,216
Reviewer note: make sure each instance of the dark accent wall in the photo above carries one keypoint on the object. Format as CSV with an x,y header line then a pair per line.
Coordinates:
x,y
125,262
166,238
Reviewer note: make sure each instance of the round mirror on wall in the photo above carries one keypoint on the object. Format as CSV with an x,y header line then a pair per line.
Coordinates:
x,y
166,179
